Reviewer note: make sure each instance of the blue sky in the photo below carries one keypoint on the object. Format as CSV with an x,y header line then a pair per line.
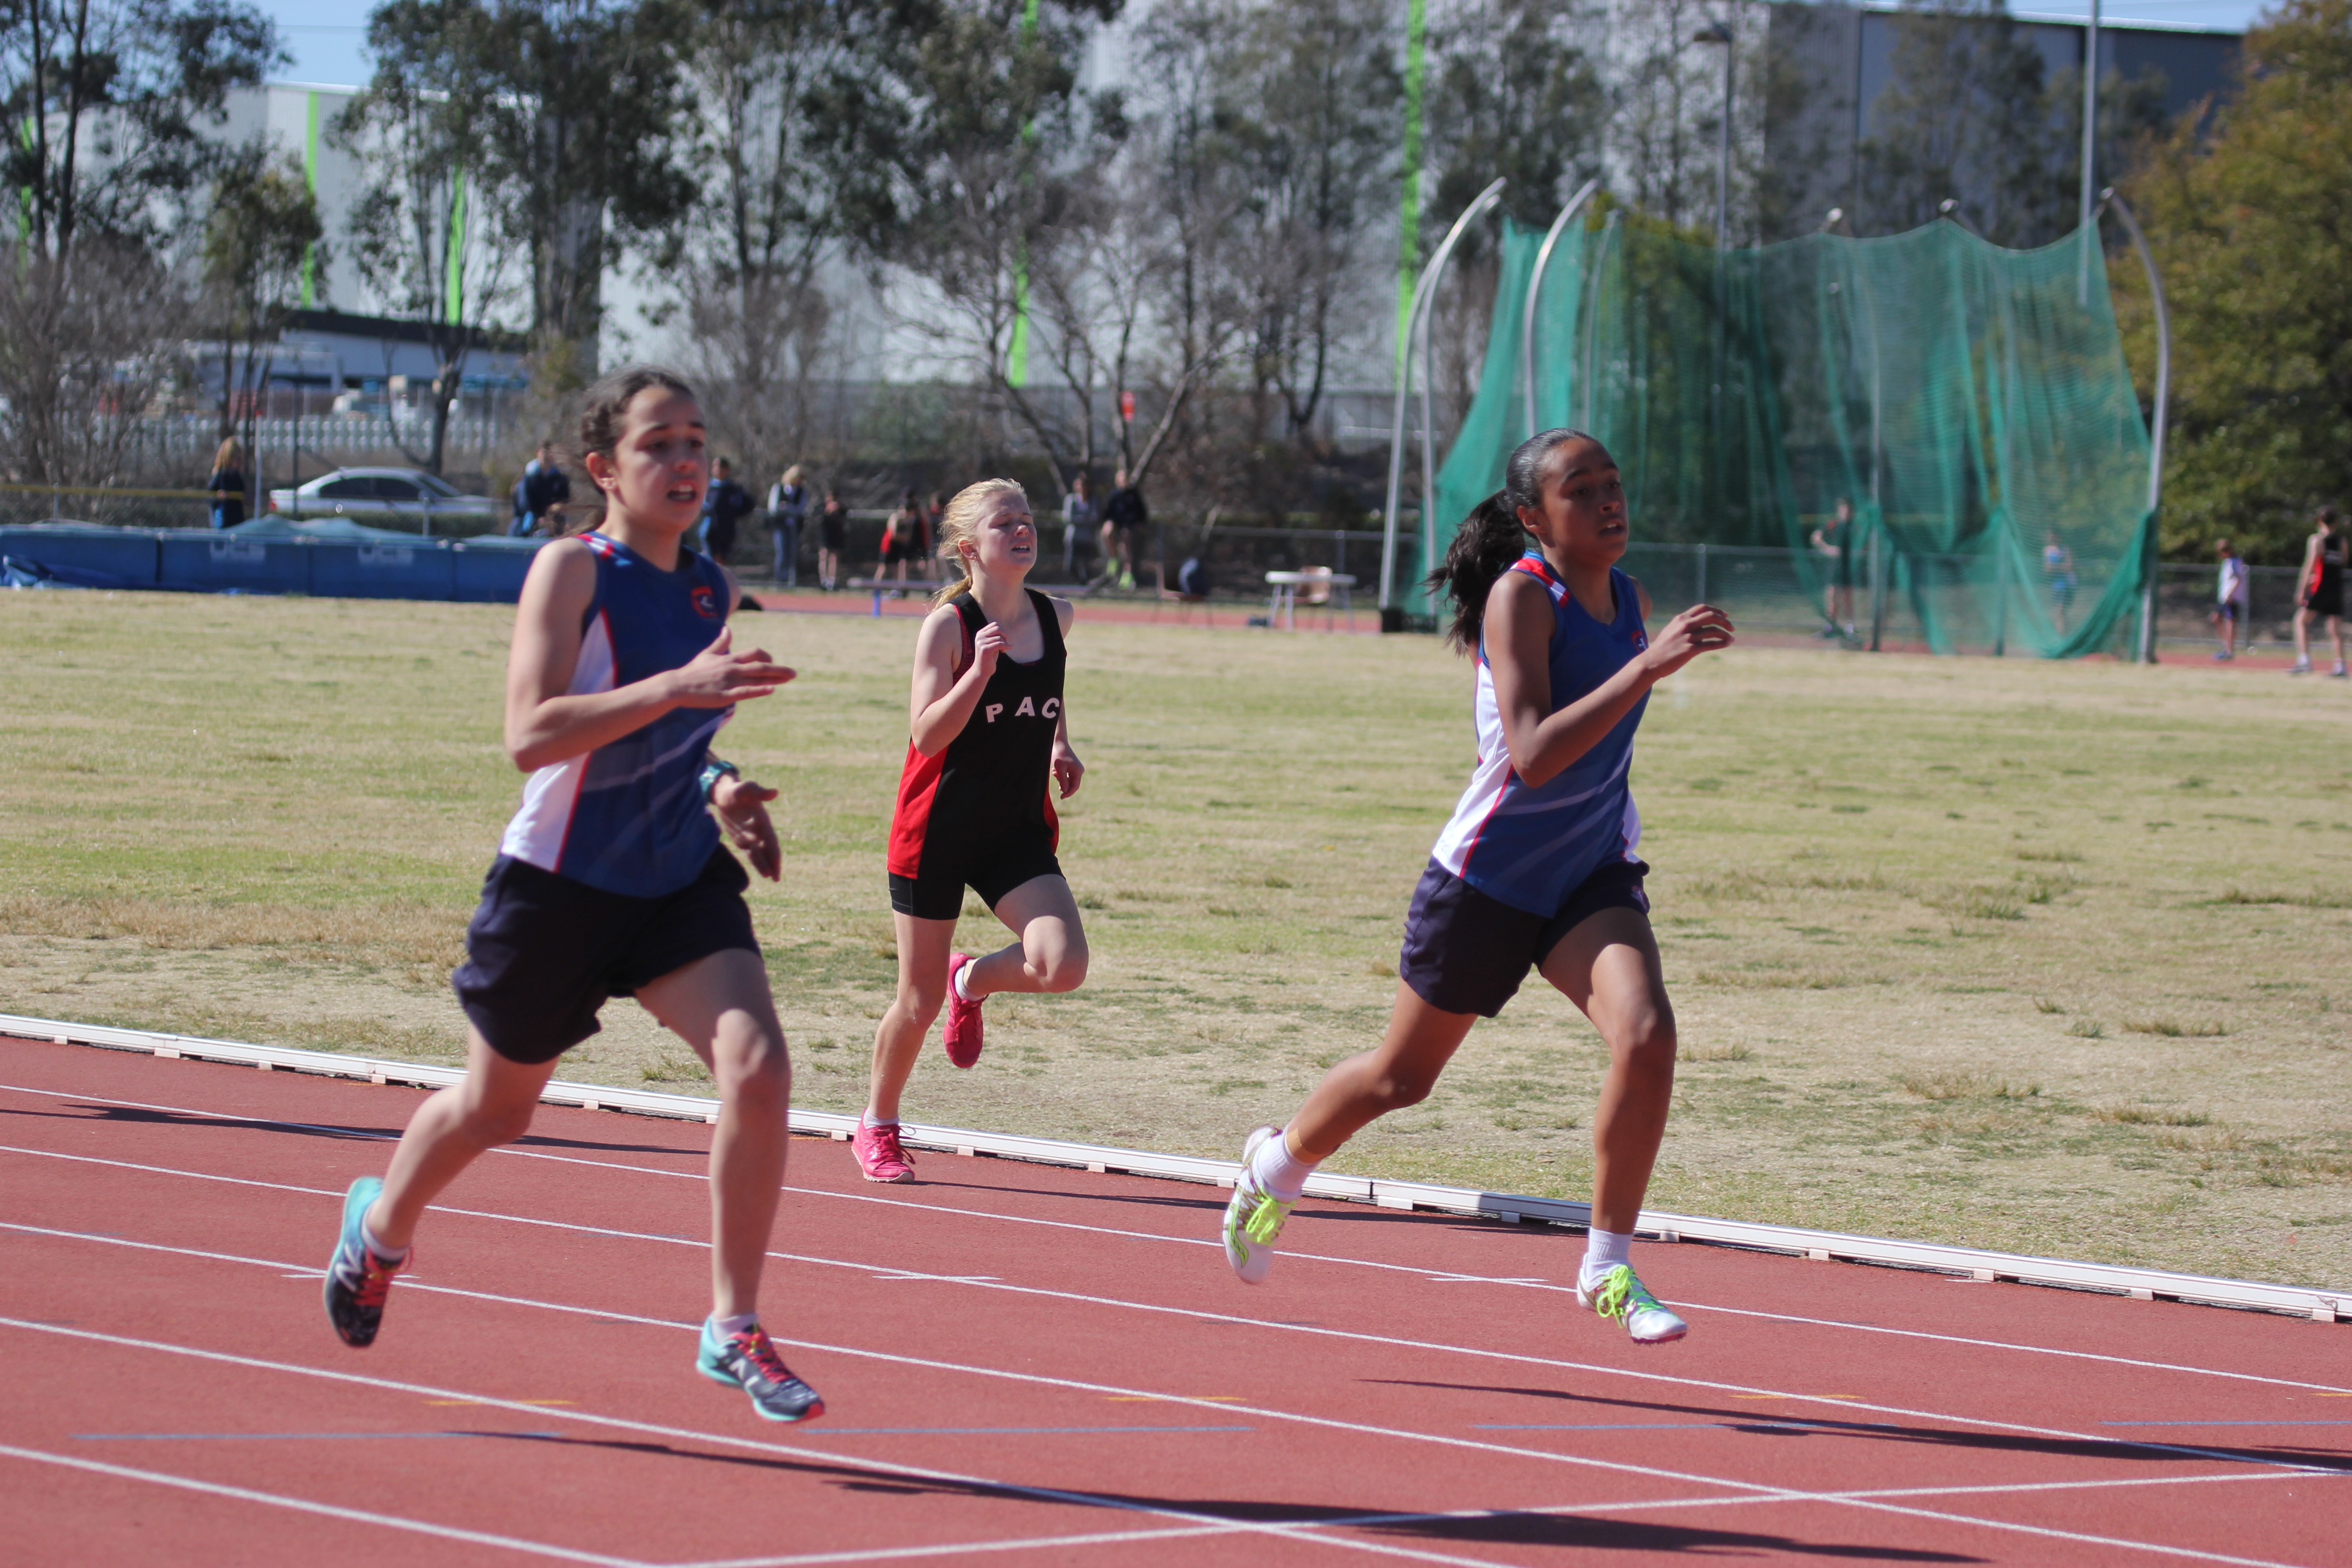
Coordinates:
x,y
329,38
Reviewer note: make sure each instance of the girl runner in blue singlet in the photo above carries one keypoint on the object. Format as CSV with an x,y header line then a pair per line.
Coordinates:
x,y
612,879
1537,867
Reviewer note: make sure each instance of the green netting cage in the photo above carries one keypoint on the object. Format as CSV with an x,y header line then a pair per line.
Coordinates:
x,y
1968,406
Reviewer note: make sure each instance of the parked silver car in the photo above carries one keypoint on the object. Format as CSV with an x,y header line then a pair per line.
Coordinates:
x,y
404,499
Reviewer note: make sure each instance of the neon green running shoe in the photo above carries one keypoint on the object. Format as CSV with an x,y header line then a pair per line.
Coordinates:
x,y
1620,1294
1252,1218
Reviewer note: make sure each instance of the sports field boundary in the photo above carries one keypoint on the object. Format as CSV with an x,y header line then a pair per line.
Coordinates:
x,y
2320,1305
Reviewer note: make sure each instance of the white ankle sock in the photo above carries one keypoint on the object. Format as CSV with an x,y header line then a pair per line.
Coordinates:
x,y
962,975
729,1327
1604,1250
1277,1171
870,1119
384,1254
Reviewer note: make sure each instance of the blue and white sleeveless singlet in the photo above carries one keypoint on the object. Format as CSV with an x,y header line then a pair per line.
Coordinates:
x,y
1530,848
628,817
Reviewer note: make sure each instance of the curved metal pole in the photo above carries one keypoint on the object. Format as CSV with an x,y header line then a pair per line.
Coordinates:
x,y
1535,287
1417,321
2107,198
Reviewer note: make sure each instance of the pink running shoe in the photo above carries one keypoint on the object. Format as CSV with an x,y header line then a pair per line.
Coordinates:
x,y
880,1157
962,1036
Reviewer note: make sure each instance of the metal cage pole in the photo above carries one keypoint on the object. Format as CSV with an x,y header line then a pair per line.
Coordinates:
x,y
1534,288
2108,198
1417,321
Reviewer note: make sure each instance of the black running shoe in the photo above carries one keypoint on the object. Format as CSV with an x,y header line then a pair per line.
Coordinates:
x,y
357,1279
749,1361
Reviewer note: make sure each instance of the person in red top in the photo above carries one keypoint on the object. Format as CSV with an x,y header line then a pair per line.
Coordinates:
x,y
991,742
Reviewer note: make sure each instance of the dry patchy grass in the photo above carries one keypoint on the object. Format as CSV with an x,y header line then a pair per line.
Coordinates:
x,y
2070,981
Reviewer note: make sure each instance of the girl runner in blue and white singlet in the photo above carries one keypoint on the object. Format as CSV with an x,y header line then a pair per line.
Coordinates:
x,y
1537,868
612,879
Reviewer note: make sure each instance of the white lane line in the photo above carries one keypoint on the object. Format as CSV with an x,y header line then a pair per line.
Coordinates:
x,y
329,1511
1755,1491
1439,1440
1386,1341
2133,1361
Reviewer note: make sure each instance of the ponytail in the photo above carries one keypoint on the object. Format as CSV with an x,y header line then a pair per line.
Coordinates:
x,y
1492,537
959,523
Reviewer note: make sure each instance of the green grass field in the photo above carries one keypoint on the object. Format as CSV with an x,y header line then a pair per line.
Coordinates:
x,y
2045,958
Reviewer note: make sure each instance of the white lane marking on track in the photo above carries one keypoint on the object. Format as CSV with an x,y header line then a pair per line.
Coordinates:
x,y
983,1282
1756,1493
1210,1524
2282,1466
329,1510
1193,1241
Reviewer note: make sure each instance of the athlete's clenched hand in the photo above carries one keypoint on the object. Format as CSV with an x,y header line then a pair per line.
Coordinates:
x,y
743,808
986,648
718,676
1700,629
1068,772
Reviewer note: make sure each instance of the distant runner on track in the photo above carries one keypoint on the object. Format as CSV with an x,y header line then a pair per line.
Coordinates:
x,y
612,879
1537,868
989,733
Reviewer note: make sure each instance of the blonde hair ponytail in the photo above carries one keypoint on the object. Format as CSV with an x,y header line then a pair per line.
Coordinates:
x,y
959,523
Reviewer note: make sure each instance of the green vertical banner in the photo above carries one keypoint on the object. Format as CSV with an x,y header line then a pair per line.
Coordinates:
x,y
453,266
311,174
1016,353
1416,24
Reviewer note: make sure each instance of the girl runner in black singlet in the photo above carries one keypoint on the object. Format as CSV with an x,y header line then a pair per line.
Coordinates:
x,y
989,737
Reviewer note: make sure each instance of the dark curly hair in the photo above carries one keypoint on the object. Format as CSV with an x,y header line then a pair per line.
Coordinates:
x,y
1492,536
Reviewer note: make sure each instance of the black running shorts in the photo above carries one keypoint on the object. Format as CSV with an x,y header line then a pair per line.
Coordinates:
x,y
1468,953
544,953
936,892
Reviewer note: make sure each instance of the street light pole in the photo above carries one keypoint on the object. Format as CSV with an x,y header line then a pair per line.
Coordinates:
x,y
1720,33
2084,230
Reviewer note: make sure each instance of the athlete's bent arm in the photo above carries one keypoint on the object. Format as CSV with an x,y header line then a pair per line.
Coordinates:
x,y
1519,651
546,724
942,702
1068,772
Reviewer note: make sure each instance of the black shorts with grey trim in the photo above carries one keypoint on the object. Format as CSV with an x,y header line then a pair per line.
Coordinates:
x,y
936,892
544,953
1468,953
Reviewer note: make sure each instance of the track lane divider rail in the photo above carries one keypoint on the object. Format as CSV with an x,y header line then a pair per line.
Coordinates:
x,y
2326,1305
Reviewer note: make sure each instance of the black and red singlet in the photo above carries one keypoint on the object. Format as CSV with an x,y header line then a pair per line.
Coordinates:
x,y
981,814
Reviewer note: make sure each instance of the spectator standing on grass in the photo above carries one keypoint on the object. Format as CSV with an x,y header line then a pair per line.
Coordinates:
x,y
540,495
2231,593
1834,539
2058,566
905,534
613,880
788,501
724,506
832,536
2320,591
1079,524
1125,517
227,485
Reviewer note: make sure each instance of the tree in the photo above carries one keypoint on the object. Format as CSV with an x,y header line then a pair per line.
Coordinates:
x,y
260,230
2248,224
1316,83
109,98
795,124
80,359
429,245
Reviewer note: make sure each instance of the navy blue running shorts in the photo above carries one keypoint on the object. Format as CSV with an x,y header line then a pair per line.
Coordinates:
x,y
544,953
1468,953
936,892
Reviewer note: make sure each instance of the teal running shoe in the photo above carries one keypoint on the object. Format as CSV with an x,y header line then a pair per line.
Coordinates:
x,y
1620,1293
749,1361
1254,1217
358,1280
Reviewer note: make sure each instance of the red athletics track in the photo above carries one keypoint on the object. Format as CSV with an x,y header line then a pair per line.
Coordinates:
x,y
1028,1364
